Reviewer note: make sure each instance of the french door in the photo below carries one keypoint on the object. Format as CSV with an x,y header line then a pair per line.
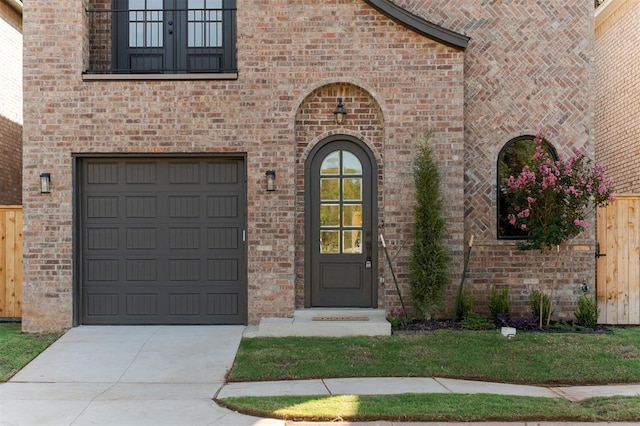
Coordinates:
x,y
174,36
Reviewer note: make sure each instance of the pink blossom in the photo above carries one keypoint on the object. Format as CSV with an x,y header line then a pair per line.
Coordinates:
x,y
580,222
524,214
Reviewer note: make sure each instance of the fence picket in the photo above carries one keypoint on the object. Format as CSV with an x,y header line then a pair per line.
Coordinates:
x,y
618,273
10,261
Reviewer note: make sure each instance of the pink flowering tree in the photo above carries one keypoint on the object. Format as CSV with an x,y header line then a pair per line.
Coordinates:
x,y
550,199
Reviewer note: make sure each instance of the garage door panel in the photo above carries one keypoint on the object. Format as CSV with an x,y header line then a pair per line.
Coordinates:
x,y
99,207
102,173
141,173
224,304
105,305
185,269
102,238
222,206
223,270
141,238
223,173
97,270
162,241
223,238
185,238
184,172
142,304
141,206
184,206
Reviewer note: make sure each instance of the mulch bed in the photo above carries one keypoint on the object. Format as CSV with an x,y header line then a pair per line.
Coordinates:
x,y
521,324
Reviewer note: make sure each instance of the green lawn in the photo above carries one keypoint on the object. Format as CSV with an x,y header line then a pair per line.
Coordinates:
x,y
17,349
437,407
529,358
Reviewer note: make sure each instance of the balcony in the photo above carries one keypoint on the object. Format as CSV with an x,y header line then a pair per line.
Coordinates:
x,y
197,41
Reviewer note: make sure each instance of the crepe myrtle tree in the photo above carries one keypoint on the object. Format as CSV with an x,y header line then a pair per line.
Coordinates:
x,y
550,200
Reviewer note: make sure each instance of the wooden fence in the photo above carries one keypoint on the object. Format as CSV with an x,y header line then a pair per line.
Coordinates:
x,y
10,261
618,264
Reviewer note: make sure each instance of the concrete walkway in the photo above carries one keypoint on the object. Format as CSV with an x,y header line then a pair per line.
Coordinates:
x,y
389,386
121,376
159,375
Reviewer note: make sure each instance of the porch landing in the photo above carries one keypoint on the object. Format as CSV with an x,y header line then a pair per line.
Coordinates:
x,y
334,322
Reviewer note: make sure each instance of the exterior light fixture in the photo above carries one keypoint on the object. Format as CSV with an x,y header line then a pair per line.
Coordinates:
x,y
339,113
271,180
45,183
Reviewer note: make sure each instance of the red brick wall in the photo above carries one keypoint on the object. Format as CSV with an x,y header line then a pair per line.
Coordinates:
x,y
294,59
10,162
617,94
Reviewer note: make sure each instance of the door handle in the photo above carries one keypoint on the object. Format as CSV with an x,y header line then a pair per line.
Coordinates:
x,y
598,254
368,264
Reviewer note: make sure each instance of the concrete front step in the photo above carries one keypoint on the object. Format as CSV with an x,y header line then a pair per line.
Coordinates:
x,y
325,322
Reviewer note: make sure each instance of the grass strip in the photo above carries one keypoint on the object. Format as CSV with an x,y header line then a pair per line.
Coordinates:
x,y
436,407
17,349
529,358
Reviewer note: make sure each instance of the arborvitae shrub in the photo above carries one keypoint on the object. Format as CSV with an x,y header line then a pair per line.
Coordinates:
x,y
429,258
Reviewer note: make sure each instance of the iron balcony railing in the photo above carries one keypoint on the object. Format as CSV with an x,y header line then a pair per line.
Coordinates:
x,y
162,41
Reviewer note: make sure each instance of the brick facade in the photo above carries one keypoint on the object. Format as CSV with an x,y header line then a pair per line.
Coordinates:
x,y
10,105
295,58
617,72
527,67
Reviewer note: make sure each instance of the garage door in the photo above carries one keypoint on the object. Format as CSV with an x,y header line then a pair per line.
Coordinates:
x,y
162,241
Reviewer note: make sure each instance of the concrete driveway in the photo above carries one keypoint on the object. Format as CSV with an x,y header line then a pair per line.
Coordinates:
x,y
143,375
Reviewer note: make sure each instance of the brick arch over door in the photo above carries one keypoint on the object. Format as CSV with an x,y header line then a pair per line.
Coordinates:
x,y
314,121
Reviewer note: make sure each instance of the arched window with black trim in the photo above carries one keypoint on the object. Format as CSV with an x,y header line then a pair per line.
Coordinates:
x,y
513,156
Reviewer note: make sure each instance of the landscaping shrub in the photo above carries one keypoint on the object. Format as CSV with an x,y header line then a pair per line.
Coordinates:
x,y
587,313
534,303
429,258
498,302
475,321
466,308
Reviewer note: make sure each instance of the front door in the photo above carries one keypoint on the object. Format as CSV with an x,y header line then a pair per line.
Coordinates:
x,y
341,236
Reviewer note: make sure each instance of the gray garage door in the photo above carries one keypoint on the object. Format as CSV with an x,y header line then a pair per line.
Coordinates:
x,y
162,241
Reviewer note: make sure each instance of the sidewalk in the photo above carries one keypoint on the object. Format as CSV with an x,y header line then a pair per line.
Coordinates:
x,y
388,386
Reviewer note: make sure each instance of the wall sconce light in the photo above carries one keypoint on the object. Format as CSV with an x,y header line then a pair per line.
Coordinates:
x,y
45,183
339,113
271,180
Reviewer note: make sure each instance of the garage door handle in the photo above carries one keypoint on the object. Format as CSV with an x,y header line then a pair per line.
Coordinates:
x,y
598,254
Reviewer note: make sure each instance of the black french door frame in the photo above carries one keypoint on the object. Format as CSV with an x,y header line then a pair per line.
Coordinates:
x,y
171,39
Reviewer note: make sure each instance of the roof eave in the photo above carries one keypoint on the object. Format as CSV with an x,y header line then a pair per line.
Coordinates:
x,y
420,25
16,4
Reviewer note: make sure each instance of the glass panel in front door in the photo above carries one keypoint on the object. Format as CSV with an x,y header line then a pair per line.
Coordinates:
x,y
341,204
